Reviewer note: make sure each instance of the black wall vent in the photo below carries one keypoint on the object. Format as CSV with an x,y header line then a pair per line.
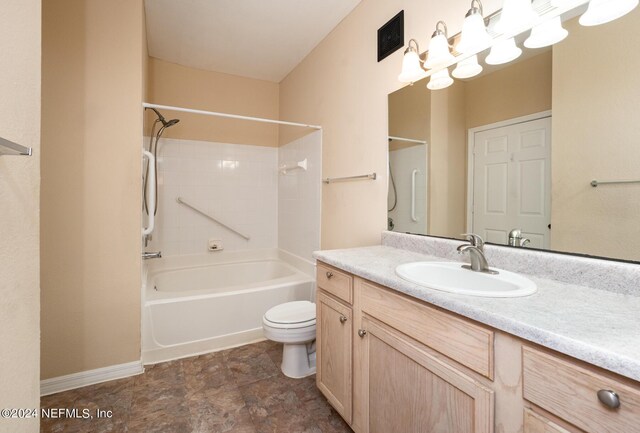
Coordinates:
x,y
391,36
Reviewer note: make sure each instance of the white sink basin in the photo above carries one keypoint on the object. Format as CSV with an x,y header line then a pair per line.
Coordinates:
x,y
451,277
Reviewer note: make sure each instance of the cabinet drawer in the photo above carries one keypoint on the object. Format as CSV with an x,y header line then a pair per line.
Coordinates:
x,y
462,341
534,423
336,282
570,391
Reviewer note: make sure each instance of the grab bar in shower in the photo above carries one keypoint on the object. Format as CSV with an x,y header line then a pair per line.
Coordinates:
x,y
151,193
206,215
414,218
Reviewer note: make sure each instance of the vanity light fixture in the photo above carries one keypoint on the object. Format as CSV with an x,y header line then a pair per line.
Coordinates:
x,y
516,15
604,11
566,3
467,68
439,54
411,69
440,80
474,37
503,51
548,33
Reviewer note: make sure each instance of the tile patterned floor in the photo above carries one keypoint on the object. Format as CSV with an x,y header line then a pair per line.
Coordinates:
x,y
240,390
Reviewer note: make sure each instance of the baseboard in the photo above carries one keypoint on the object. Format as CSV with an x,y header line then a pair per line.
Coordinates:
x,y
90,377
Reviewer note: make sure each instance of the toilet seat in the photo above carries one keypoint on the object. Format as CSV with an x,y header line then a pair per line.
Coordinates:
x,y
291,315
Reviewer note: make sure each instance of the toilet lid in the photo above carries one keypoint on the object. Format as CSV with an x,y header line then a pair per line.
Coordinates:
x,y
292,312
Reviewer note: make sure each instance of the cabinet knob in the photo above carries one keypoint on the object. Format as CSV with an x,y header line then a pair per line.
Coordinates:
x,y
329,275
343,319
609,398
362,333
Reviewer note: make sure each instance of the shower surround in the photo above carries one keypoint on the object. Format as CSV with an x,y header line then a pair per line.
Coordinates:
x,y
235,183
195,300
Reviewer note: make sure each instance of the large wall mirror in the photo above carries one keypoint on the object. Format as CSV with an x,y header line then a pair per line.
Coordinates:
x,y
518,147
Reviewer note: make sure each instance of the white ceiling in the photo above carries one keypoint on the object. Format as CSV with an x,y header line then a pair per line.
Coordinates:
x,y
262,39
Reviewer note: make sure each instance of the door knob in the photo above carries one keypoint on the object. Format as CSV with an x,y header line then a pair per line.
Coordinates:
x,y
343,319
362,333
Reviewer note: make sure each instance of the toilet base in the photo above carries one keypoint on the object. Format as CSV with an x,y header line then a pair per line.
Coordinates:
x,y
297,362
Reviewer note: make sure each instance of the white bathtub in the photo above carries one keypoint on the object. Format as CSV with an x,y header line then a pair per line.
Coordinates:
x,y
198,304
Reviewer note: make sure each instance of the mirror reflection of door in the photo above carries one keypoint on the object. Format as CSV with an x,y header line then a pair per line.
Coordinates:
x,y
407,197
588,82
511,180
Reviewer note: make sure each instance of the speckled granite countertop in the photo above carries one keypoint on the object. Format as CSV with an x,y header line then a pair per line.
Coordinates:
x,y
594,325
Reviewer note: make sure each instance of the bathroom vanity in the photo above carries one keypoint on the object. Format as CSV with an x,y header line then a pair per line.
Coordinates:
x,y
396,357
539,154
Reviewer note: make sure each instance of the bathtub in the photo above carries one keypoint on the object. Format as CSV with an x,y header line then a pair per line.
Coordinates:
x,y
202,303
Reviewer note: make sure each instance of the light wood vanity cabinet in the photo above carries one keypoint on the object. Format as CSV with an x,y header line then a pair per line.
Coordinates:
x,y
460,340
406,389
334,360
391,363
334,340
395,382
535,423
335,282
570,391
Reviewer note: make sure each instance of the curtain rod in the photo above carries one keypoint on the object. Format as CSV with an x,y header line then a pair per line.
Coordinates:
x,y
229,116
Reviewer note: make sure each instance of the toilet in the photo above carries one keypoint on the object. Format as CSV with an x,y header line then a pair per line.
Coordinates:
x,y
294,324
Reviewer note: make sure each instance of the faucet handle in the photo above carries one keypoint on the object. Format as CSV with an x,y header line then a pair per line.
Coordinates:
x,y
474,240
463,248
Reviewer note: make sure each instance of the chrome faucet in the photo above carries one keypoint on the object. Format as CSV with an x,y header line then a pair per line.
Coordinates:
x,y
474,240
151,255
516,239
475,248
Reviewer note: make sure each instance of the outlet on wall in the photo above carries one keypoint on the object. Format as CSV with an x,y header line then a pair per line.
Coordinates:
x,y
215,245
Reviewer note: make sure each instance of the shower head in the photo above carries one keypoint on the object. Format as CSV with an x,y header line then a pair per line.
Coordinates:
x,y
165,123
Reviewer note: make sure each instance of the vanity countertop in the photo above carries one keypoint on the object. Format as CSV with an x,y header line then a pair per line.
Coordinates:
x,y
596,326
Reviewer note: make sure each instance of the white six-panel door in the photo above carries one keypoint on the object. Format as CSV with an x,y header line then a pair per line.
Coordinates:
x,y
512,182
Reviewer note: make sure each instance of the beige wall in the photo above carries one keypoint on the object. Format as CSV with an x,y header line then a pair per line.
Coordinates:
x,y
91,182
596,135
145,59
341,86
439,118
447,162
409,114
409,117
520,88
19,219
171,84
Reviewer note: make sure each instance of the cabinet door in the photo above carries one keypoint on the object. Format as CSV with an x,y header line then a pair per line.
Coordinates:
x,y
408,390
333,357
534,423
